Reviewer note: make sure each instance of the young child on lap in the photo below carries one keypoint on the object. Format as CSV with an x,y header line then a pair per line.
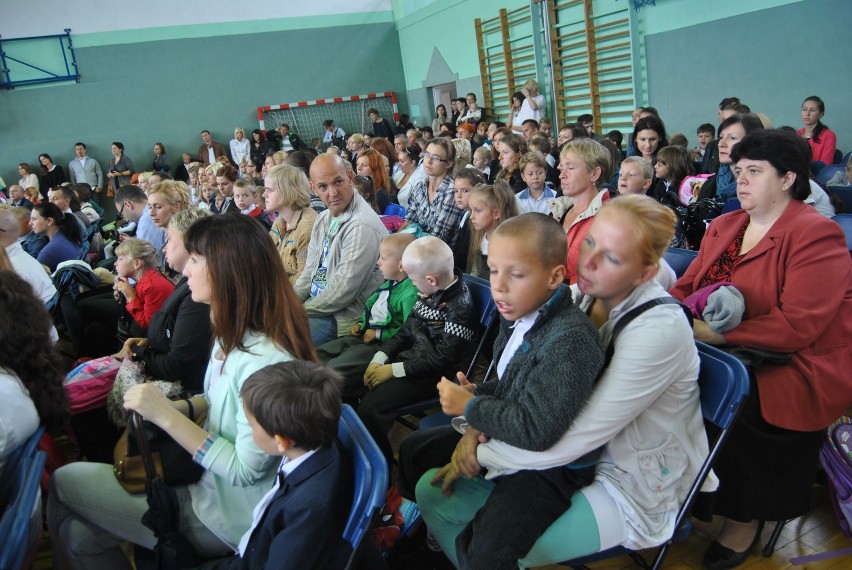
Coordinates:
x,y
434,341
293,409
384,313
548,357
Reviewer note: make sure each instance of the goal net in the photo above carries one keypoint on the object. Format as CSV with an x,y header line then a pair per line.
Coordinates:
x,y
349,113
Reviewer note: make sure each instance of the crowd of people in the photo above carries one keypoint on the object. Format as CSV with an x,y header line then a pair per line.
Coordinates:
x,y
264,277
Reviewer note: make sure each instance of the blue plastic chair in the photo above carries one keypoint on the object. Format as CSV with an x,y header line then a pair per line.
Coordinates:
x,y
370,471
395,210
845,195
845,160
828,171
18,521
679,259
845,221
480,290
724,385
13,463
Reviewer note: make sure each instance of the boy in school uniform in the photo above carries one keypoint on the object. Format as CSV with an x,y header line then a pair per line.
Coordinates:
x,y
384,314
548,356
293,409
537,196
436,338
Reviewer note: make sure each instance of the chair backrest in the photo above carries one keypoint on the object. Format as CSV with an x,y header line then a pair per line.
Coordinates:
x,y
826,172
395,210
480,290
679,259
845,221
370,472
724,384
838,157
17,519
845,195
845,160
15,460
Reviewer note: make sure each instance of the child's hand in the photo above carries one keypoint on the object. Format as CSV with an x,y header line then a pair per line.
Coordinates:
x,y
379,375
455,397
369,372
464,462
122,286
369,336
355,330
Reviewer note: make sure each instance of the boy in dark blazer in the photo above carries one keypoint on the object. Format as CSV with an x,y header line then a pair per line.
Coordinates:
x,y
293,409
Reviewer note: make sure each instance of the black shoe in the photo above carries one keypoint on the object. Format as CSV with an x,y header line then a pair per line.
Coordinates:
x,y
720,557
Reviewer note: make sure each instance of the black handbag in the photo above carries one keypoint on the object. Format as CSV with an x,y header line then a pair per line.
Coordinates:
x,y
172,462
755,358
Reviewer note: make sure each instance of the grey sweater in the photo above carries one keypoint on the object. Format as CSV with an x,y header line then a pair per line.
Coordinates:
x,y
546,383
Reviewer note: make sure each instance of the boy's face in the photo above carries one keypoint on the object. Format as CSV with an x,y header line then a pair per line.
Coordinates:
x,y
534,177
520,282
389,261
703,139
631,180
263,440
243,198
463,190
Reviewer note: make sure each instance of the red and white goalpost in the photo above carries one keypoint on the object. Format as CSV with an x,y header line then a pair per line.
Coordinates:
x,y
349,113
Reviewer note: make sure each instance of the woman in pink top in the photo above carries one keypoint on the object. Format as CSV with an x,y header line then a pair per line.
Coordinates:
x,y
823,141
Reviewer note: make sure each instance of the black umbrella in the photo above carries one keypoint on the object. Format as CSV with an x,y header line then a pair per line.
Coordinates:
x,y
173,550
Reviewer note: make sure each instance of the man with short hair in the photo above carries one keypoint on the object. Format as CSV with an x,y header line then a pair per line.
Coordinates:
x,y
86,170
332,135
289,141
381,126
17,198
210,150
340,272
529,128
131,203
23,263
587,121
62,197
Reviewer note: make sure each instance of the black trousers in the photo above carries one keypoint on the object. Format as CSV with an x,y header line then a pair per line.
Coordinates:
x,y
421,451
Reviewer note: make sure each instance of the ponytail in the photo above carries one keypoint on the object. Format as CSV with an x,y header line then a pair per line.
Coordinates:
x,y
71,228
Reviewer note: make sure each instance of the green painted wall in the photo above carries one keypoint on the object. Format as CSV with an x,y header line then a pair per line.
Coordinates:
x,y
169,90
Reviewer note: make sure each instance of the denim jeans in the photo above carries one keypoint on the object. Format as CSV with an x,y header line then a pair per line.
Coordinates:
x,y
323,329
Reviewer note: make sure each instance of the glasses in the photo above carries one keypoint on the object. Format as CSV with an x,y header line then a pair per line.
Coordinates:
x,y
431,157
121,210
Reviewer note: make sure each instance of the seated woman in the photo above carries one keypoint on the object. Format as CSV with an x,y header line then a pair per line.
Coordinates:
x,y
584,167
511,148
409,163
258,321
31,391
773,250
288,193
649,135
177,344
65,238
370,163
823,141
644,409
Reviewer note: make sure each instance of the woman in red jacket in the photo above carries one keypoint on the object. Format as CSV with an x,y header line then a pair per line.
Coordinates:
x,y
793,268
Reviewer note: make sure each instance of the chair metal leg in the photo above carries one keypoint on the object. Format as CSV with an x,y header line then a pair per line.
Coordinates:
x,y
637,558
773,538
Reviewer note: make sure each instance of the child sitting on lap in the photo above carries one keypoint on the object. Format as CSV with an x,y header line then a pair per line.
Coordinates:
x,y
548,357
245,197
434,341
293,409
384,313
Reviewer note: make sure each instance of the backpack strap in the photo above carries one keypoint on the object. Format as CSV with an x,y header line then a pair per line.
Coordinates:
x,y
627,317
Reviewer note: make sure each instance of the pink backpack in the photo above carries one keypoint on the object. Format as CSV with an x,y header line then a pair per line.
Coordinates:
x,y
89,384
690,187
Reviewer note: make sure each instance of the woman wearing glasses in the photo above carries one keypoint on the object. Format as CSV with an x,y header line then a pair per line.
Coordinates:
x,y
432,203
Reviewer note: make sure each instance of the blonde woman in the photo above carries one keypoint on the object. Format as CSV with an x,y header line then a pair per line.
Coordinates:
x,y
240,147
288,193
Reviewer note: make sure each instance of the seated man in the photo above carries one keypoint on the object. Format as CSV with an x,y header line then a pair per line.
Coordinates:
x,y
24,265
340,272
385,312
131,203
434,341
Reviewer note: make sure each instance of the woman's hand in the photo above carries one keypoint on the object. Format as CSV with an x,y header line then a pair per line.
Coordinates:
x,y
150,402
129,345
702,331
122,286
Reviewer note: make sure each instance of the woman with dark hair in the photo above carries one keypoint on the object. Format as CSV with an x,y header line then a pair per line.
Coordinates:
x,y
28,179
823,141
31,391
408,160
440,118
63,232
52,175
120,168
731,131
517,102
260,147
511,148
257,321
649,135
161,160
773,250
432,203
